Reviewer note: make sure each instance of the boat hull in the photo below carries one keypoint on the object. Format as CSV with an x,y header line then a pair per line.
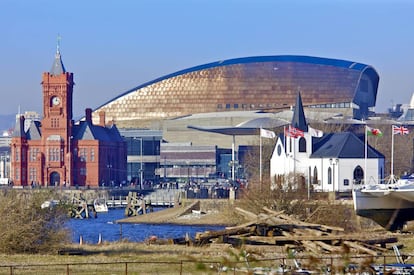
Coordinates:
x,y
100,205
383,207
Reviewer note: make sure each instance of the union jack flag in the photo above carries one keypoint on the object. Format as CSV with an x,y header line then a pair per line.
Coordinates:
x,y
293,132
400,130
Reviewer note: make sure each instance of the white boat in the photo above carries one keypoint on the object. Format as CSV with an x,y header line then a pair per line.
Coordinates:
x,y
49,204
390,205
100,205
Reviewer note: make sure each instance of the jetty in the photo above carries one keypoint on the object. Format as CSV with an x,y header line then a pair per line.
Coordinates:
x,y
135,202
156,198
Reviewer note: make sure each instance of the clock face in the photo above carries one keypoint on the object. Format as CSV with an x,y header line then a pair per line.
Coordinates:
x,y
55,101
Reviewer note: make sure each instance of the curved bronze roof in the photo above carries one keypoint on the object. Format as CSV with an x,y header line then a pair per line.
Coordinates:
x,y
249,83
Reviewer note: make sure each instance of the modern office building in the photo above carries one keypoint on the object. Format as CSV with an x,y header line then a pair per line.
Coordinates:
x,y
185,162
143,149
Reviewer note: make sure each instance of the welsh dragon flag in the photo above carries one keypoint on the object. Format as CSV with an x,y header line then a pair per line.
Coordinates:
x,y
373,132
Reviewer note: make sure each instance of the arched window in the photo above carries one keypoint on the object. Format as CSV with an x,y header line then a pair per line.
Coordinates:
x,y
302,144
329,175
279,149
315,175
358,175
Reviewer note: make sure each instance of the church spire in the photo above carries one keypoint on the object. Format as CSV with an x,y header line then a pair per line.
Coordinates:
x,y
298,119
57,67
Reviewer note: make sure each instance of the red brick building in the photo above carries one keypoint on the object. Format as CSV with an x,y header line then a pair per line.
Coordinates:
x,y
56,151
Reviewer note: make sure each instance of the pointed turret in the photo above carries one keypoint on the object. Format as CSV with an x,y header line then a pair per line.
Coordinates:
x,y
298,119
19,127
57,67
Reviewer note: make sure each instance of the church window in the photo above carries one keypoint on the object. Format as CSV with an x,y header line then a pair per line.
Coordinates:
x,y
315,176
358,175
329,175
302,145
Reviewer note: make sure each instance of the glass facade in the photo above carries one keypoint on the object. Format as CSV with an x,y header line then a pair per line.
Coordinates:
x,y
245,84
143,150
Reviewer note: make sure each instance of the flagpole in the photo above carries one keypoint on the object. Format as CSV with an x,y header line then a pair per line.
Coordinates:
x,y
294,160
366,154
260,166
233,159
392,155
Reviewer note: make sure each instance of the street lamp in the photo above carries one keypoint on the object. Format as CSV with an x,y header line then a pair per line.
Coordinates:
x,y
70,161
165,169
140,170
333,162
188,171
109,166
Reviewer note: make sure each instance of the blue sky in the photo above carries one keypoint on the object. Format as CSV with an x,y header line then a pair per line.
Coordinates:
x,y
114,46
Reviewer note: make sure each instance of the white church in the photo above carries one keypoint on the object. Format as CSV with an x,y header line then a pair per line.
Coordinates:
x,y
334,162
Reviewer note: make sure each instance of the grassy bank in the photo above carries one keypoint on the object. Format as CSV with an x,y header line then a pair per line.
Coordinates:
x,y
143,258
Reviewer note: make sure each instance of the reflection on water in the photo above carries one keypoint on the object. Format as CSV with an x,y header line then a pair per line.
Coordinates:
x,y
106,226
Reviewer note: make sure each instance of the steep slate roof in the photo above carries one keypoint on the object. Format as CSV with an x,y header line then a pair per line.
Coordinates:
x,y
34,132
87,131
19,128
298,119
57,67
342,145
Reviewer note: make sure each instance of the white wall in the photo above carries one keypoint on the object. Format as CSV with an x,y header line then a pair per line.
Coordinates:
x,y
342,170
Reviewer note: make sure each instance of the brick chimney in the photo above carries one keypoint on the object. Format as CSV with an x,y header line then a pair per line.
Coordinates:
x,y
88,115
102,118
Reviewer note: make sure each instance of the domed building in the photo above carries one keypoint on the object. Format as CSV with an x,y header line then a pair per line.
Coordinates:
x,y
265,83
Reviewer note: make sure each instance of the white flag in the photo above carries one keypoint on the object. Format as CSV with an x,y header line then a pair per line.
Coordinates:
x,y
315,132
267,134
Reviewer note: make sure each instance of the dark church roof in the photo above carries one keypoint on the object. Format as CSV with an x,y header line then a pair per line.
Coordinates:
x,y
298,119
34,132
342,145
88,131
19,127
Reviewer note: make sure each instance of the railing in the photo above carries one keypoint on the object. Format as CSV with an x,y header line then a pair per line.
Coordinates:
x,y
281,265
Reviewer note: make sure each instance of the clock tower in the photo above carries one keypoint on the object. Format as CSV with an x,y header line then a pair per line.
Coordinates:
x,y
57,122
55,151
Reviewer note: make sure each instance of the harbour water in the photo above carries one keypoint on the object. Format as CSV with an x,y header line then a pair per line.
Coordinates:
x,y
105,226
